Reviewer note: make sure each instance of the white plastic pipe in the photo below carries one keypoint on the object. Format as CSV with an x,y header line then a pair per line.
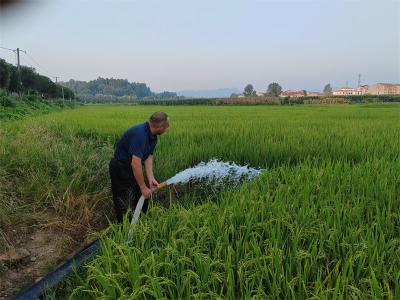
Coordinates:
x,y
138,210
136,216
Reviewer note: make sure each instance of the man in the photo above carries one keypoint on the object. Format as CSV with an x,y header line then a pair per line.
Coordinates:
x,y
135,149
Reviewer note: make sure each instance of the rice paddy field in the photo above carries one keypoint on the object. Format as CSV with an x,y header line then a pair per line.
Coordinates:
x,y
321,222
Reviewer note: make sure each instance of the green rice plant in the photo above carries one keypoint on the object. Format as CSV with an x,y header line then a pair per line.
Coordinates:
x,y
321,222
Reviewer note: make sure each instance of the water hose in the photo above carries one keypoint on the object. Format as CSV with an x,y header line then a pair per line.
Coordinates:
x,y
139,207
52,279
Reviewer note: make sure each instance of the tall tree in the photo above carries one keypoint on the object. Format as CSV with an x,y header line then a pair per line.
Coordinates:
x,y
28,78
5,74
274,89
327,89
249,90
32,82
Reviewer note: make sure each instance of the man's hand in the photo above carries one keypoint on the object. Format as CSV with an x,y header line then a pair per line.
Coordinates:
x,y
153,183
146,192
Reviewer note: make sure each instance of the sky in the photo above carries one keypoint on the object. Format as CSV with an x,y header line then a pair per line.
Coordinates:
x,y
181,45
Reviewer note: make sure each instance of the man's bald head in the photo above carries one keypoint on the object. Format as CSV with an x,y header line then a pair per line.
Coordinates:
x,y
159,122
159,118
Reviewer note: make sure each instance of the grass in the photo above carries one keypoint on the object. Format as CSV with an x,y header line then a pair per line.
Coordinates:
x,y
12,107
321,222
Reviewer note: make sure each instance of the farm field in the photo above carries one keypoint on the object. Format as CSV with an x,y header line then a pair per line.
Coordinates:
x,y
322,221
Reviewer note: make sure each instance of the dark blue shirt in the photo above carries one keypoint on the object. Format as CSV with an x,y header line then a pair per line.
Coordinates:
x,y
137,140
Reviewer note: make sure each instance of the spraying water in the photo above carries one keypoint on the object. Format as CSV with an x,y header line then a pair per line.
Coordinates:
x,y
216,172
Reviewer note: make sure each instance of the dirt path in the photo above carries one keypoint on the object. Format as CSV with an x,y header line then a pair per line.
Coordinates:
x,y
31,254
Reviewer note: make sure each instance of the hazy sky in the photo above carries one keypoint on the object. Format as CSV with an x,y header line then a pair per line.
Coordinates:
x,y
179,45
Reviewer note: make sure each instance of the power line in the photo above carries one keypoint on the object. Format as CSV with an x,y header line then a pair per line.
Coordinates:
x,y
7,48
39,65
17,51
34,62
50,74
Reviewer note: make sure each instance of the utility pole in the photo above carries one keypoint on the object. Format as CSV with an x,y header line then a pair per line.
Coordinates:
x,y
359,79
18,66
18,59
19,71
19,83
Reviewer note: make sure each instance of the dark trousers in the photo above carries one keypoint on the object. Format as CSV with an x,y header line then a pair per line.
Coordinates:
x,y
125,190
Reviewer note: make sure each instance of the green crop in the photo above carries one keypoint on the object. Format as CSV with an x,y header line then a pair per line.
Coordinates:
x,y
322,221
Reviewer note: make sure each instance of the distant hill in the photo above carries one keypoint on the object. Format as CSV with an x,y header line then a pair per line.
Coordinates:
x,y
216,93
114,90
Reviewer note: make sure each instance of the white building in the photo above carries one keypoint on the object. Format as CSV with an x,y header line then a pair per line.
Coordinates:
x,y
345,91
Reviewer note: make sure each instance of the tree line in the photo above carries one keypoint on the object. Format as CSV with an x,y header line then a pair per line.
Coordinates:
x,y
27,81
274,89
105,90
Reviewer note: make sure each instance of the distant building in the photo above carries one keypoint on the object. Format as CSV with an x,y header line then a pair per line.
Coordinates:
x,y
292,93
362,90
376,89
384,89
260,94
318,94
345,91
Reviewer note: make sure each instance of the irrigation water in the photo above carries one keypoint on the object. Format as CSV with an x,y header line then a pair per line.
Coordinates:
x,y
216,172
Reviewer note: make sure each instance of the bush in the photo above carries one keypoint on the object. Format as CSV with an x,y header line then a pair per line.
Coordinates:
x,y
59,103
34,98
7,101
13,108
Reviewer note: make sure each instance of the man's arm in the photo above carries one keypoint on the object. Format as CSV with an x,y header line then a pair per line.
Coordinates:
x,y
148,165
138,173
